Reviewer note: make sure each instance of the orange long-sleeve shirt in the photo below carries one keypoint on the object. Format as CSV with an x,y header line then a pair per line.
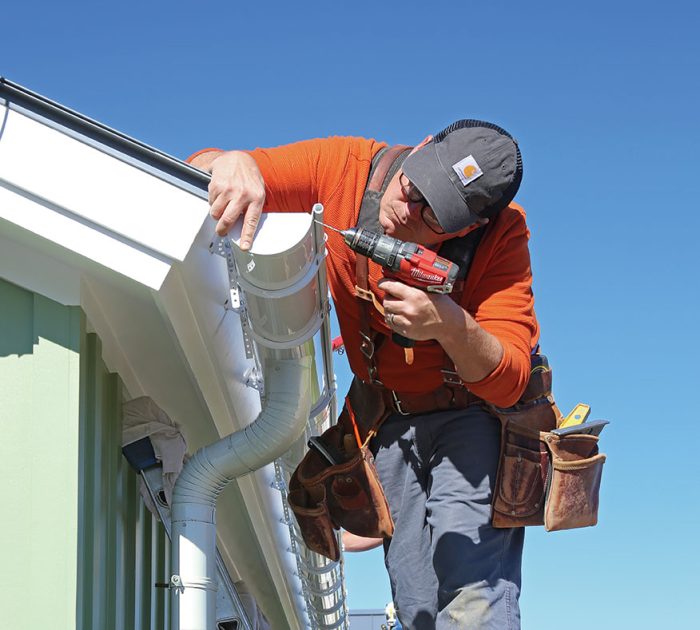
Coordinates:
x,y
334,171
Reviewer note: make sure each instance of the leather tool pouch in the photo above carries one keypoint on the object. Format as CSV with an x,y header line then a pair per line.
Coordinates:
x,y
348,494
311,511
544,479
575,470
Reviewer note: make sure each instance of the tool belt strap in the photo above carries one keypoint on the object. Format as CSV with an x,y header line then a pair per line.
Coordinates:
x,y
443,398
384,166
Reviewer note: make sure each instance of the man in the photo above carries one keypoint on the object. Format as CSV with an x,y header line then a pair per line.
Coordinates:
x,y
448,567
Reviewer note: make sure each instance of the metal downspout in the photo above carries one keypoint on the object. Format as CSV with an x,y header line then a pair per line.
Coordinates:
x,y
208,472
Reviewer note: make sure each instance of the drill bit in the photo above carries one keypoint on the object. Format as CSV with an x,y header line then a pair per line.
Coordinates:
x,y
329,226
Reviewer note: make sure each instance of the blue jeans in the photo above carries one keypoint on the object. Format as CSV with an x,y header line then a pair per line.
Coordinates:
x,y
447,566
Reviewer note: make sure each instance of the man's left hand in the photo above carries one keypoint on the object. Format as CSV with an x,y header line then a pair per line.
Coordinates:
x,y
416,314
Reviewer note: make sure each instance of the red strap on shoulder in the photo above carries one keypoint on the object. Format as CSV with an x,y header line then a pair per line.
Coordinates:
x,y
379,175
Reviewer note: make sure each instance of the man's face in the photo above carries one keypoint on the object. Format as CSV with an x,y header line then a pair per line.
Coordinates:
x,y
405,214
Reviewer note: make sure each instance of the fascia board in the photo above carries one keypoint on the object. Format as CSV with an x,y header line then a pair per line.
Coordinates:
x,y
99,246
199,322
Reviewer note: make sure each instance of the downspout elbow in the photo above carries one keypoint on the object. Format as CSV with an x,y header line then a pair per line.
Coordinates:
x,y
279,424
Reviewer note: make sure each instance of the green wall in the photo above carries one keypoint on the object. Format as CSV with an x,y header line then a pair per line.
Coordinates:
x,y
78,548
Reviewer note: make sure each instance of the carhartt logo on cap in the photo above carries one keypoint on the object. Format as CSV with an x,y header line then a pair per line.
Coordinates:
x,y
468,170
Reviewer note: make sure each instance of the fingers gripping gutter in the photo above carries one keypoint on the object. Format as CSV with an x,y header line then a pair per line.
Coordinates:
x,y
236,190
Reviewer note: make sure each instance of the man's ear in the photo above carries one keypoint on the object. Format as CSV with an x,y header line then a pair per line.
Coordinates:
x,y
421,144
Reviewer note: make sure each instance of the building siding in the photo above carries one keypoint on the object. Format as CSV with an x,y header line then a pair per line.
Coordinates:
x,y
122,549
39,408
79,548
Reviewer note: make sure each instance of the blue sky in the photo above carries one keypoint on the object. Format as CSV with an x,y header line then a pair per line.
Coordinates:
x,y
604,98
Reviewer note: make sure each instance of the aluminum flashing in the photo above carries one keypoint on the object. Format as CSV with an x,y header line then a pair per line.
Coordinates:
x,y
94,133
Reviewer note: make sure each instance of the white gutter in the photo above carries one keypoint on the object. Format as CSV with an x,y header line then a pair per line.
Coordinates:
x,y
283,304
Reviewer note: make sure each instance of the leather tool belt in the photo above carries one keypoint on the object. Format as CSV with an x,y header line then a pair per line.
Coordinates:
x,y
543,478
443,398
372,403
326,496
343,490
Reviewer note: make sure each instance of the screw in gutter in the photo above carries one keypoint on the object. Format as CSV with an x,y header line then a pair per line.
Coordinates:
x,y
176,583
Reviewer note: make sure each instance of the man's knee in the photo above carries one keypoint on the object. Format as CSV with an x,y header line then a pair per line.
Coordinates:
x,y
482,605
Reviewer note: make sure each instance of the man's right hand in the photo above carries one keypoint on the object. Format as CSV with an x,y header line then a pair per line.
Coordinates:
x,y
237,189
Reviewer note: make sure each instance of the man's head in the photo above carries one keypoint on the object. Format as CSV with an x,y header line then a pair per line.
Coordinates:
x,y
470,170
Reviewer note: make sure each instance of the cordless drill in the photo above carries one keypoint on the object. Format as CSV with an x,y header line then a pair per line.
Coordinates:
x,y
410,263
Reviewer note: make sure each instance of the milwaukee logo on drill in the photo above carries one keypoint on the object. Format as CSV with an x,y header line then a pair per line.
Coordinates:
x,y
418,274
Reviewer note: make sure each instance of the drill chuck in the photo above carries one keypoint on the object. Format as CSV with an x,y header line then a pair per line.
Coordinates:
x,y
383,250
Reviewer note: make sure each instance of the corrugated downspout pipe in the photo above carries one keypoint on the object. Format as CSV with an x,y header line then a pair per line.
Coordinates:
x,y
285,295
280,423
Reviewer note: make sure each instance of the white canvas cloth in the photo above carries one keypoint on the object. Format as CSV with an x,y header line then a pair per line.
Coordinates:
x,y
142,417
257,619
